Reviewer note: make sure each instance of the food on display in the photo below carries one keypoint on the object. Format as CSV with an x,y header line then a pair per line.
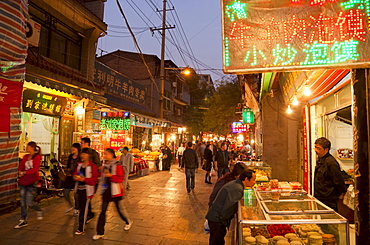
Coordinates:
x,y
303,230
315,240
328,239
279,230
274,184
261,175
250,240
295,185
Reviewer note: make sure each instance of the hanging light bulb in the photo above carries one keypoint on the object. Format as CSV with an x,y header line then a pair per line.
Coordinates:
x,y
295,100
307,91
289,110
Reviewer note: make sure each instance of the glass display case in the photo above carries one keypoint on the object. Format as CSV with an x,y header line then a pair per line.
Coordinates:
x,y
300,220
263,170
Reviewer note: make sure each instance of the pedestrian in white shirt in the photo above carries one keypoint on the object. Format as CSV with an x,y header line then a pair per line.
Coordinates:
x,y
180,152
127,161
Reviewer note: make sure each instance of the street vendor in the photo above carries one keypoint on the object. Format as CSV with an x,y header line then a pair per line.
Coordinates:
x,y
329,183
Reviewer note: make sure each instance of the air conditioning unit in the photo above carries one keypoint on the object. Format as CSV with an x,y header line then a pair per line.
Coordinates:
x,y
33,33
179,112
174,84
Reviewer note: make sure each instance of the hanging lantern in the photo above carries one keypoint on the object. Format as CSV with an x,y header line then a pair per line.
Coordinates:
x,y
248,116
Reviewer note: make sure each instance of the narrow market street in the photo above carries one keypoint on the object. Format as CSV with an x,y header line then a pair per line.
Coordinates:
x,y
162,211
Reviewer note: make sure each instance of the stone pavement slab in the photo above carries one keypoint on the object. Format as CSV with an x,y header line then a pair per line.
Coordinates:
x,y
162,211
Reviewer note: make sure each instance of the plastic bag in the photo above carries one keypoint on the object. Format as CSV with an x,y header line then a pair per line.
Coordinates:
x,y
349,198
206,227
213,172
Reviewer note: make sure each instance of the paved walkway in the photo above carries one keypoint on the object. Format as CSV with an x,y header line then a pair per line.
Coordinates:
x,y
162,211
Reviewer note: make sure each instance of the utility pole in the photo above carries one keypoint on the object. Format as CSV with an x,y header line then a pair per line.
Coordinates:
x,y
163,49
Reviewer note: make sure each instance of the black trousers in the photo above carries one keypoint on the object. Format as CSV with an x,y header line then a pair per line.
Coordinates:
x,y
217,233
180,160
83,202
102,217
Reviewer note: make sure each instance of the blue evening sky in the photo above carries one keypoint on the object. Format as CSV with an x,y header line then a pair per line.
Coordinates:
x,y
200,19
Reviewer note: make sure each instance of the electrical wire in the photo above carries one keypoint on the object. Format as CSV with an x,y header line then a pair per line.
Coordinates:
x,y
137,46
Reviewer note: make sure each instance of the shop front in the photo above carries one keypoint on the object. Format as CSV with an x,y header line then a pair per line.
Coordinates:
x,y
50,124
40,122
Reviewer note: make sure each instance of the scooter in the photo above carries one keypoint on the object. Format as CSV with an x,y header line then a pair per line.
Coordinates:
x,y
49,186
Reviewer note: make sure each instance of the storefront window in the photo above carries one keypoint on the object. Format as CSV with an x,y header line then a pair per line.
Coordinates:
x,y
44,130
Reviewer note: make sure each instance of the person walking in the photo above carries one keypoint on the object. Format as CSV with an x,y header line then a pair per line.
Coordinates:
x,y
85,175
207,166
328,181
222,161
127,161
69,183
28,172
167,158
180,152
190,160
111,189
226,205
233,175
86,143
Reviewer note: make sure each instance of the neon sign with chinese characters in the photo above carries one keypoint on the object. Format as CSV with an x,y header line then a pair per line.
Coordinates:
x,y
239,127
261,36
115,120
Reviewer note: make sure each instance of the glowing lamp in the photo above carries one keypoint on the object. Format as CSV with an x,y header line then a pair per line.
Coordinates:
x,y
289,110
307,91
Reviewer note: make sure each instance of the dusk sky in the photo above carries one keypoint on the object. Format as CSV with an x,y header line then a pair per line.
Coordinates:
x,y
200,19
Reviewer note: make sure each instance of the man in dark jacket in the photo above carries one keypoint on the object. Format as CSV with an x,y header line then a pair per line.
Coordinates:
x,y
329,183
222,161
226,205
190,161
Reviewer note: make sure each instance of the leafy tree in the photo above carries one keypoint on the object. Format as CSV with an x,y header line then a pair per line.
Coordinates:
x,y
221,112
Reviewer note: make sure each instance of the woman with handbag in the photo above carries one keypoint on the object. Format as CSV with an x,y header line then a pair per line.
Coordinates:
x,y
68,181
28,172
207,166
111,189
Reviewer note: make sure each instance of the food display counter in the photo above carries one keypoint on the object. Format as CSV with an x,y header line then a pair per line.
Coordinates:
x,y
262,169
297,219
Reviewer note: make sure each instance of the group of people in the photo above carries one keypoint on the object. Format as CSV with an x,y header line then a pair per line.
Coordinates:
x,y
85,175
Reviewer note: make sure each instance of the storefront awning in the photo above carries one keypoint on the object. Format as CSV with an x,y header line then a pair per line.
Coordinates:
x,y
50,84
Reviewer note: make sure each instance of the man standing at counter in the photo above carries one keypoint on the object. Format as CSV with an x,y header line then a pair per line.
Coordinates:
x,y
225,206
328,183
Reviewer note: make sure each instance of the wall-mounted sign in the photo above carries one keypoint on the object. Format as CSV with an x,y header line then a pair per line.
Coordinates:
x,y
286,35
43,103
239,127
117,85
116,120
248,116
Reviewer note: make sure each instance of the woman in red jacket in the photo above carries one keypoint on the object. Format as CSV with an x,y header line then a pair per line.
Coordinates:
x,y
28,171
111,189
86,176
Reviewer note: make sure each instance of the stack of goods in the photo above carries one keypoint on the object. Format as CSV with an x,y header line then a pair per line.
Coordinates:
x,y
255,236
142,167
311,233
295,185
328,239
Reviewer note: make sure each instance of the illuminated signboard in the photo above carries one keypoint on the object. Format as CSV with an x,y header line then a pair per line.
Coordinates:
x,y
248,116
115,121
239,127
43,103
286,35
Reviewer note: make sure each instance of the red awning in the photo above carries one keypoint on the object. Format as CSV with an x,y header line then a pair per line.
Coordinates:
x,y
321,82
